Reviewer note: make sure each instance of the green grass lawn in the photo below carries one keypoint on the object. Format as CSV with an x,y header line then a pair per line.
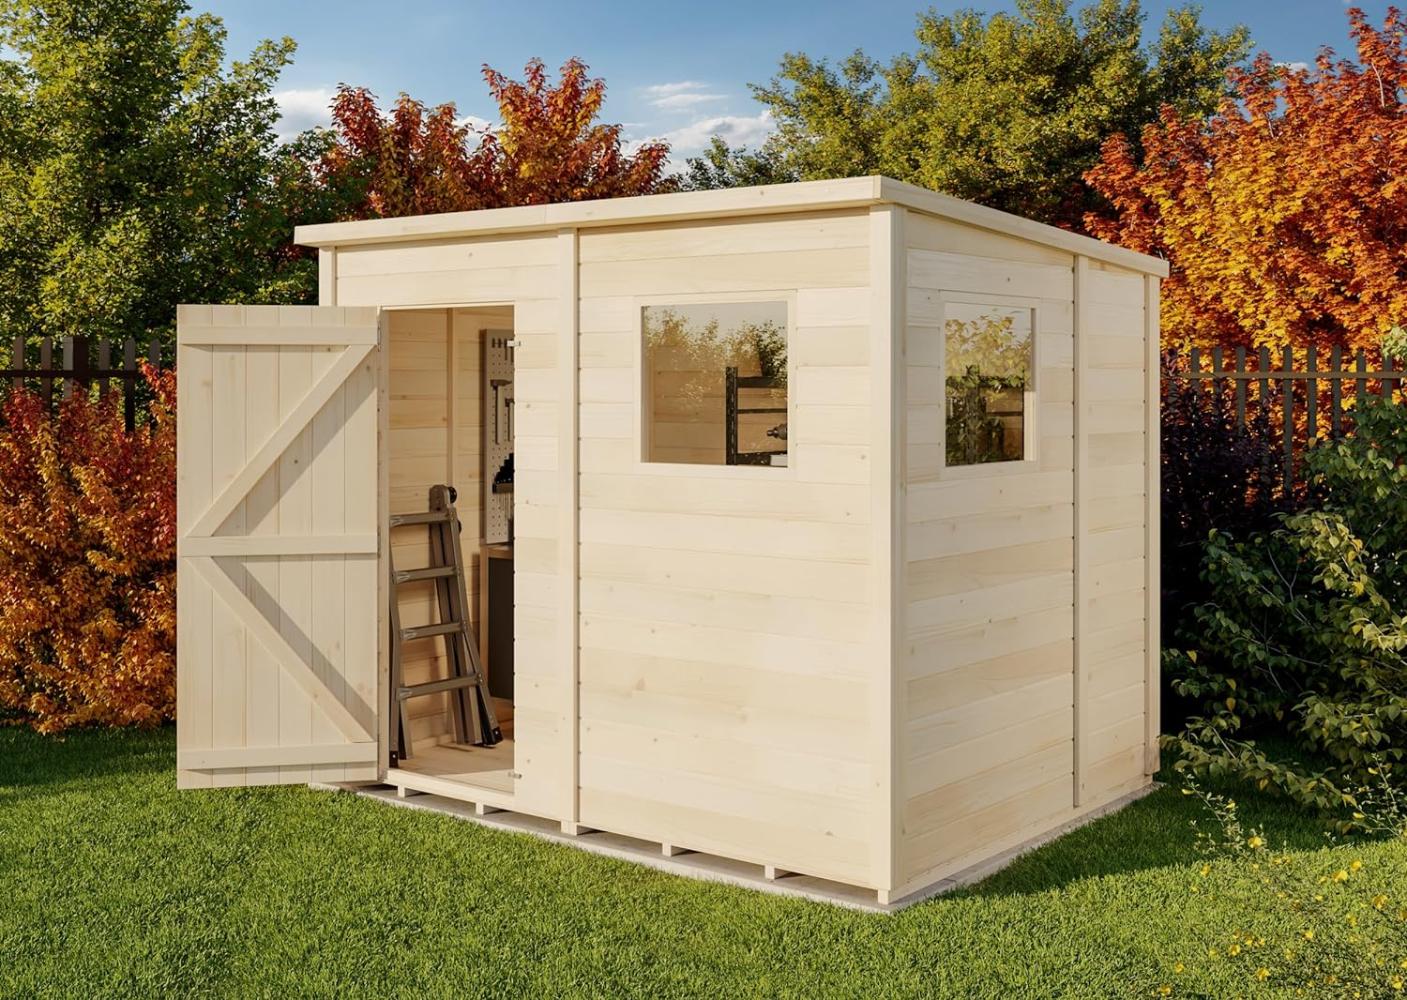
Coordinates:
x,y
113,883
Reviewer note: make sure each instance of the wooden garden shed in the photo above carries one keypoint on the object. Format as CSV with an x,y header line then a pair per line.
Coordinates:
x,y
810,526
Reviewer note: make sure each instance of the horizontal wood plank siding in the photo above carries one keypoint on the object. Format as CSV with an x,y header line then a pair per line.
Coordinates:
x,y
987,659
1113,617
724,618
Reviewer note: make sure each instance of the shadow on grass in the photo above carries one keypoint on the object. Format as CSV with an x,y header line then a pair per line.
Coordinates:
x,y
1153,833
83,755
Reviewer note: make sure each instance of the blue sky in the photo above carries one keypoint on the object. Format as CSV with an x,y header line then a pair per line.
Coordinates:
x,y
673,70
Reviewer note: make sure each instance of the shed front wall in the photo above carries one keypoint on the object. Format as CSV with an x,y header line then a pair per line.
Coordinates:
x,y
727,662
532,274
1024,657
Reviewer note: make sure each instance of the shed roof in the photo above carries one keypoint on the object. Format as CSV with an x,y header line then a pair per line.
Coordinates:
x,y
772,199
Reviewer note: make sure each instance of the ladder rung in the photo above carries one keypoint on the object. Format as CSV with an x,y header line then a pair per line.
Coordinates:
x,y
428,573
428,517
435,687
425,631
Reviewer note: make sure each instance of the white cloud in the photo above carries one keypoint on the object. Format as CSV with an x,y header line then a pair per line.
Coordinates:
x,y
679,96
678,87
682,102
302,109
736,130
474,122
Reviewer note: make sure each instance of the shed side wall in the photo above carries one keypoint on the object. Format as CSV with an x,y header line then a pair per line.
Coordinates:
x,y
987,662
1027,663
726,614
527,273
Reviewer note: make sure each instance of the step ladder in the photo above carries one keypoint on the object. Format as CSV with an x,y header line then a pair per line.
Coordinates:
x,y
470,706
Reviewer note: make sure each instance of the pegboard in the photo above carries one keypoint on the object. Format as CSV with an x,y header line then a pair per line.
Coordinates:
x,y
497,396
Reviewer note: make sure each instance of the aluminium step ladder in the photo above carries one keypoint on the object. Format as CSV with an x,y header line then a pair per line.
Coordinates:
x,y
471,706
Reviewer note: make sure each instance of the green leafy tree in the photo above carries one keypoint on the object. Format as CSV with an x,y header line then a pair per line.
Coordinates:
x,y
136,170
1008,110
724,166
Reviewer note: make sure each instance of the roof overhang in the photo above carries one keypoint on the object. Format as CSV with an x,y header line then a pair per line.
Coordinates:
x,y
772,199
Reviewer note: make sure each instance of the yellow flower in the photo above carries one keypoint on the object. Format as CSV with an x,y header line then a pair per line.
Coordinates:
x,y
1165,990
1340,876
1396,983
1234,950
1178,968
1379,901
1309,935
1206,869
1211,953
1255,842
1357,866
1262,973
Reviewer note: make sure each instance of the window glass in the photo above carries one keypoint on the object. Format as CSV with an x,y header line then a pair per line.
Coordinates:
x,y
990,361
715,383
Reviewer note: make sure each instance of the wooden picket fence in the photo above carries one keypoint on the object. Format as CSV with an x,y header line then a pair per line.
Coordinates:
x,y
107,365
1310,395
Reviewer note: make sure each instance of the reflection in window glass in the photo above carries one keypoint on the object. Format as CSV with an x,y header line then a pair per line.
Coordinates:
x,y
990,381
715,383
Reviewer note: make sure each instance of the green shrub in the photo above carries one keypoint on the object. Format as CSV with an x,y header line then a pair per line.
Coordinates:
x,y
1304,635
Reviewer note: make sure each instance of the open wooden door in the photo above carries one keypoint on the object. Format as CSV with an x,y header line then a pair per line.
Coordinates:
x,y
278,512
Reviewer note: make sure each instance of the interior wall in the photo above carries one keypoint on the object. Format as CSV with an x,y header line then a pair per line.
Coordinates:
x,y
726,654
418,459
987,723
435,428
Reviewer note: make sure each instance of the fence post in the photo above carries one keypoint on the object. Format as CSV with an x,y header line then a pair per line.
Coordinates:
x,y
1311,394
1336,391
46,362
76,363
1240,389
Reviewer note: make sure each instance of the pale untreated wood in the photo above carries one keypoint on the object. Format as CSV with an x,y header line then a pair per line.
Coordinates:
x,y
278,611
867,664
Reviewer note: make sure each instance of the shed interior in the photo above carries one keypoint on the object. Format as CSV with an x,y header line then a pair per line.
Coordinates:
x,y
450,420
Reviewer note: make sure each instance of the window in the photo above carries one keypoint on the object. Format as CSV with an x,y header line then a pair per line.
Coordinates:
x,y
715,383
990,375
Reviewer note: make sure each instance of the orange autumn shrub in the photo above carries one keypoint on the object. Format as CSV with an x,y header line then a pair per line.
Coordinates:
x,y
88,561
1283,216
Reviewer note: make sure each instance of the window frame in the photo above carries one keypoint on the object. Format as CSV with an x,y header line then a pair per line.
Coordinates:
x,y
642,464
1030,456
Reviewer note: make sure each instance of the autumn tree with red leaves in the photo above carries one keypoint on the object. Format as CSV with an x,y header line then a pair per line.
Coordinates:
x,y
547,147
1283,216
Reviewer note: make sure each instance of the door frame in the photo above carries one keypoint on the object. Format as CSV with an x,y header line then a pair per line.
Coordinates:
x,y
383,504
